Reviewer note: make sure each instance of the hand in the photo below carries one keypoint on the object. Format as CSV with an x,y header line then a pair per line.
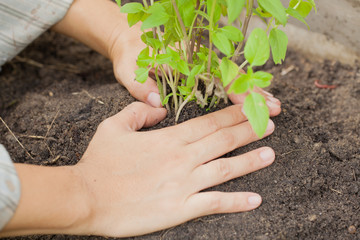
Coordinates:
x,y
141,182
124,52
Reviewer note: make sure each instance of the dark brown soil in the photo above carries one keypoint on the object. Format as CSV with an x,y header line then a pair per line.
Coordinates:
x,y
312,191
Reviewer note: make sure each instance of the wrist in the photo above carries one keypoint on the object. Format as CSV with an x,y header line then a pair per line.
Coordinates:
x,y
53,201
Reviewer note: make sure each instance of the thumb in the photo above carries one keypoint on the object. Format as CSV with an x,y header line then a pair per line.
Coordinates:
x,y
146,92
138,115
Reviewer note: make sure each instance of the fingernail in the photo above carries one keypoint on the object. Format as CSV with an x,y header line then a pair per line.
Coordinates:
x,y
272,104
154,99
267,155
254,200
270,127
274,100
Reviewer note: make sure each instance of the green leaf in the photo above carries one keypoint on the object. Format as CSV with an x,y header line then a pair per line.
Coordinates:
x,y
232,33
229,70
185,91
154,43
262,13
234,8
278,42
118,2
240,85
190,82
144,59
134,18
304,8
166,99
276,8
292,12
158,17
133,7
261,79
217,10
174,54
202,14
187,11
142,74
183,67
257,112
257,49
163,58
312,2
222,43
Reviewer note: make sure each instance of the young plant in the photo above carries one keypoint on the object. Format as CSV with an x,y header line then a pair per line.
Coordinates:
x,y
187,70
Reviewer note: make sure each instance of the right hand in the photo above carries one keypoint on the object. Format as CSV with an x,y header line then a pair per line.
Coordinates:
x,y
142,182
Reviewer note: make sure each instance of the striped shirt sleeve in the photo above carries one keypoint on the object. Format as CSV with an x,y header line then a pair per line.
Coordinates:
x,y
21,21
9,188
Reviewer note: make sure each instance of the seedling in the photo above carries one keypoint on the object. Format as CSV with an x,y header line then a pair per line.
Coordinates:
x,y
186,66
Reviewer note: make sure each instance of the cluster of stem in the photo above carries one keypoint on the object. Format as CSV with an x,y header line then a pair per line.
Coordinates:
x,y
190,45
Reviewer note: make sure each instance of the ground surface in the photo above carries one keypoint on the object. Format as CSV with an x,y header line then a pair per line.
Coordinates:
x,y
312,191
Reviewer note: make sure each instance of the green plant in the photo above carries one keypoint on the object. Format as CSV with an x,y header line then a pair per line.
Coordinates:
x,y
174,31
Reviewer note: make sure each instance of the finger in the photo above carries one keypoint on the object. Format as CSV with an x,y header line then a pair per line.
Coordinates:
x,y
207,203
146,92
198,128
225,169
224,141
138,115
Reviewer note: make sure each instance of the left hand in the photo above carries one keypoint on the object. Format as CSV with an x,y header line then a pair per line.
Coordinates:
x,y
124,53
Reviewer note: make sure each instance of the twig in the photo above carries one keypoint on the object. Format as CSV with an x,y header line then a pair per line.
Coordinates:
x,y
287,70
334,190
37,137
354,175
63,67
16,138
52,160
52,122
90,96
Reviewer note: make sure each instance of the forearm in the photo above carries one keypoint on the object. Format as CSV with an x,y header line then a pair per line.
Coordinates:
x,y
52,201
96,23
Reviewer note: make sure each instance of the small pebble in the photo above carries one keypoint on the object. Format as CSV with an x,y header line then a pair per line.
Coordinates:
x,y
312,218
51,94
352,229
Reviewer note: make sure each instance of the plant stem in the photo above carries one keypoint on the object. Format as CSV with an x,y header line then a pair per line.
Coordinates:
x,y
210,35
183,28
269,24
163,87
187,99
243,64
145,4
193,32
244,29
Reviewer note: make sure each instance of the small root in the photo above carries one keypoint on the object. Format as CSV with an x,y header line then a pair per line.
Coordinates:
x,y
96,99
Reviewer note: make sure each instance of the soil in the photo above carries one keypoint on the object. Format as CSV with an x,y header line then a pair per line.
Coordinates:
x,y
312,191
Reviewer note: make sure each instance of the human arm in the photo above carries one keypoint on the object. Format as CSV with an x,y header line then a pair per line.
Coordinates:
x,y
128,182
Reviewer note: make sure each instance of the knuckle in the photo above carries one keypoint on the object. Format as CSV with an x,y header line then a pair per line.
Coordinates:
x,y
135,106
227,137
215,204
212,123
249,133
223,169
